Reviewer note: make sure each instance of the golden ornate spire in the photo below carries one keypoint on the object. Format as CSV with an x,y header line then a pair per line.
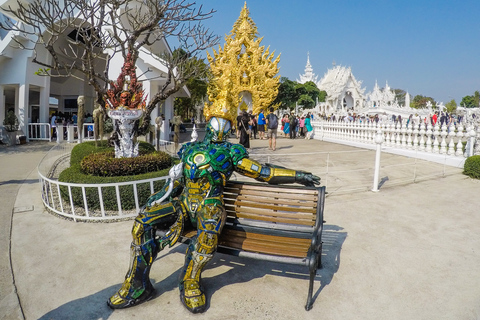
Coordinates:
x,y
242,69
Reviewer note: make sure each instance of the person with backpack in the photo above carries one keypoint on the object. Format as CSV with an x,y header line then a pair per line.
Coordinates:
x,y
272,126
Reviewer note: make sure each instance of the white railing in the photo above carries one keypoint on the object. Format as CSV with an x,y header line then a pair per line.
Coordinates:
x,y
43,131
434,143
353,171
62,198
39,131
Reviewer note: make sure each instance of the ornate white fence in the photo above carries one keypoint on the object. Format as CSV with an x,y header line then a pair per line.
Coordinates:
x,y
58,196
39,131
443,144
43,131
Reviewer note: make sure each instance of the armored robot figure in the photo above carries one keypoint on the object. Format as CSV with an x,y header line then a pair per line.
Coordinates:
x,y
194,191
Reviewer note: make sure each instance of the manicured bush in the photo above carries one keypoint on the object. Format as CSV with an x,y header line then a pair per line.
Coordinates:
x,y
105,164
472,167
82,150
74,174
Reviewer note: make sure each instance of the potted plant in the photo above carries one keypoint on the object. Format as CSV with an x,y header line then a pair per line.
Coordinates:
x,y
11,126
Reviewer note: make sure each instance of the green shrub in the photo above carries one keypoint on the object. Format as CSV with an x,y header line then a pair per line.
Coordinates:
x,y
74,174
106,165
82,150
472,167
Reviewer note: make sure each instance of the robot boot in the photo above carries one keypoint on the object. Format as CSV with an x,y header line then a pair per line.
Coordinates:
x,y
137,287
191,292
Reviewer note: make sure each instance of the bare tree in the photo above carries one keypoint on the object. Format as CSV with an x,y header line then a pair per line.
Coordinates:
x,y
98,30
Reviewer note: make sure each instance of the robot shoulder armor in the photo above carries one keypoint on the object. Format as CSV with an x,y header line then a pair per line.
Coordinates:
x,y
238,152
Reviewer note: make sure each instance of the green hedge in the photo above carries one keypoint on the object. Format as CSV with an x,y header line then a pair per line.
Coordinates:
x,y
74,174
106,165
472,167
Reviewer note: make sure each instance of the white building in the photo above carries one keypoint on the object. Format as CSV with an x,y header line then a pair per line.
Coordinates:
x,y
29,94
344,92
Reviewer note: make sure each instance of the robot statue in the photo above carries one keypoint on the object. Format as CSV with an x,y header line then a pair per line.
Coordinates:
x,y
193,192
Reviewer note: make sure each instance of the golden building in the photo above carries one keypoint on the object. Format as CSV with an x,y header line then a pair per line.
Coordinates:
x,y
245,73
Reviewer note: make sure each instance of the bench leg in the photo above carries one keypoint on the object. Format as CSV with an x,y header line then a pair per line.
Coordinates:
x,y
309,304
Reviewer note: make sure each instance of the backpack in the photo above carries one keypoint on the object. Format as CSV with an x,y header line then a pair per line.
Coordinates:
x,y
272,121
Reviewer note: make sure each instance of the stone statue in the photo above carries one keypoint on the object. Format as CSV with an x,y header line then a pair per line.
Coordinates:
x,y
80,117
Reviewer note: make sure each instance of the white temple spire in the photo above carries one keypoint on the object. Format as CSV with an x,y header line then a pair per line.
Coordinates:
x,y
308,75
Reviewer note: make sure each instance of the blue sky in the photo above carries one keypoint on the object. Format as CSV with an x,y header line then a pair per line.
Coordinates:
x,y
427,47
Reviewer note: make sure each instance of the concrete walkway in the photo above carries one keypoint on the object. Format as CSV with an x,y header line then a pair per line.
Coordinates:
x,y
410,251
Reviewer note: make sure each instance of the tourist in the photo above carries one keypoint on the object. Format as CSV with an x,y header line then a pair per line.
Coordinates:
x,y
261,125
434,118
286,125
53,125
239,118
308,127
302,126
272,125
293,125
255,126
243,125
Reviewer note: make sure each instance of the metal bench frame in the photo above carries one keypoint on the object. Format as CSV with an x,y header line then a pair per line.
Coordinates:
x,y
312,257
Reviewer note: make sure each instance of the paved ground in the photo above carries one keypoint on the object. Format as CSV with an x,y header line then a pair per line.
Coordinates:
x,y
410,251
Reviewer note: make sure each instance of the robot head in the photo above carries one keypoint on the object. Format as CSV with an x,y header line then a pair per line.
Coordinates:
x,y
218,129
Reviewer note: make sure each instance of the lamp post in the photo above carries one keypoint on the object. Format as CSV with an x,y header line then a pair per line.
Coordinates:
x,y
378,141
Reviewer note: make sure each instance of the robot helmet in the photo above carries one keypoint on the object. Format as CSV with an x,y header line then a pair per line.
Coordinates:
x,y
218,129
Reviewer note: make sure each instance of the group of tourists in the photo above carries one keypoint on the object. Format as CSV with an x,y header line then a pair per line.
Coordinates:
x,y
414,120
269,126
294,126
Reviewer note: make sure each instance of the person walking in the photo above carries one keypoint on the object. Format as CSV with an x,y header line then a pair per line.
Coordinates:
x,y
261,125
272,125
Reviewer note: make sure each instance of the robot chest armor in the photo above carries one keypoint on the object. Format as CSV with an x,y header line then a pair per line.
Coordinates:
x,y
207,161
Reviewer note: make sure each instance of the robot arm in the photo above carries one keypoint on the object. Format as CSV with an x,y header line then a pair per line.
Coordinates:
x,y
170,185
275,174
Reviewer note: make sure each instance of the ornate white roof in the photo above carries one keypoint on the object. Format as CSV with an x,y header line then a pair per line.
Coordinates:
x,y
308,75
338,80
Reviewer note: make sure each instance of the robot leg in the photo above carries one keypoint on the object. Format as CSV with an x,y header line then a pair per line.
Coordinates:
x,y
210,222
137,287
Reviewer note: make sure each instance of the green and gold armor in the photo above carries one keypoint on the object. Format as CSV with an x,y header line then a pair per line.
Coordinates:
x,y
195,194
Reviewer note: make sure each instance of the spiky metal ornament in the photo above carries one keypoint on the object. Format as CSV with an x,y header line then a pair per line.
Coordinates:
x,y
125,105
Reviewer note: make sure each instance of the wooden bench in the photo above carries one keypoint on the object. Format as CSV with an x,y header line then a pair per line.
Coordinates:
x,y
274,223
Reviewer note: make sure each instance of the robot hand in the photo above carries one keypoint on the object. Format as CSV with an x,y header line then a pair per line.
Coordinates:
x,y
307,179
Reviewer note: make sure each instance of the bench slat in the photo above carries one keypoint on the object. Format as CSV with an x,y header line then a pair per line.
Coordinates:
x,y
263,245
271,218
269,187
273,195
241,205
280,213
289,202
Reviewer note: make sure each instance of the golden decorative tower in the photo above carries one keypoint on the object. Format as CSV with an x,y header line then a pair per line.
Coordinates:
x,y
244,72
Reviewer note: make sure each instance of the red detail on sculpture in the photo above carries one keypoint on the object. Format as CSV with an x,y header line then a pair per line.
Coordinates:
x,y
131,97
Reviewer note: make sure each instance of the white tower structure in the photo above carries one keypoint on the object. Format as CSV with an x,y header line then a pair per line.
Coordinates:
x,y
308,75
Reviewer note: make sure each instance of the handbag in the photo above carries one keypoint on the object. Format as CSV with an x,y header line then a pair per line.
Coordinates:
x,y
249,132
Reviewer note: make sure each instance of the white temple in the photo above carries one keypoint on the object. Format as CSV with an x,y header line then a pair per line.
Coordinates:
x,y
345,95
344,92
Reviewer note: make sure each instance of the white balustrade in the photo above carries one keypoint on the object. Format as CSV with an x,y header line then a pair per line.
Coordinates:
x,y
423,137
